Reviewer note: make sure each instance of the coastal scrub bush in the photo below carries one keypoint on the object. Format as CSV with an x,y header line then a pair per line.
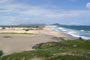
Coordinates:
x,y
70,44
1,53
62,50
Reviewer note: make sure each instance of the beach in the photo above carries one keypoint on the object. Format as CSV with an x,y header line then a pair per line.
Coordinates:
x,y
49,31
12,43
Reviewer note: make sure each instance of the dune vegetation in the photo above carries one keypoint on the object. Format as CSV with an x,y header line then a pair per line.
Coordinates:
x,y
62,50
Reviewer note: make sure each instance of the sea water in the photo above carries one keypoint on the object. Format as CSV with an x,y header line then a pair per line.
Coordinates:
x,y
76,31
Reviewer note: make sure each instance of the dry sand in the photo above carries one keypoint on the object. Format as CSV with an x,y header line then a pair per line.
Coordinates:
x,y
11,43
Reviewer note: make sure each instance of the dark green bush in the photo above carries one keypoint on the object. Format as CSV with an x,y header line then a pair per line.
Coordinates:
x,y
1,53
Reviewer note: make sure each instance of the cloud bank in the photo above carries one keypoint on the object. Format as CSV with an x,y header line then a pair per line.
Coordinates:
x,y
21,13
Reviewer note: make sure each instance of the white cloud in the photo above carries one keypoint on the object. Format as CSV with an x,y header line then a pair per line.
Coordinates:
x,y
6,1
28,13
3,1
73,0
88,5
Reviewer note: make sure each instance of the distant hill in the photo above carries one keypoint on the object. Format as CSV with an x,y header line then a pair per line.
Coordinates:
x,y
23,25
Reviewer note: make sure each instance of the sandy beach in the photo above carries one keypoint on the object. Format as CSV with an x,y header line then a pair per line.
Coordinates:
x,y
12,43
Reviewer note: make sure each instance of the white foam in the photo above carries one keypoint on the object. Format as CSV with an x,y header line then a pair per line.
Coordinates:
x,y
60,28
78,36
82,30
74,33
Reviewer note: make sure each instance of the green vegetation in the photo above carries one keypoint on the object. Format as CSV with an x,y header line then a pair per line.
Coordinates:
x,y
1,53
63,50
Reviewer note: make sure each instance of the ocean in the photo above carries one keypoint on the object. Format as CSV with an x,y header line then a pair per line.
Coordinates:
x,y
76,31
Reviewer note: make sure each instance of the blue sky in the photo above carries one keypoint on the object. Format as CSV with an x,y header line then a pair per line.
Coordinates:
x,y
71,12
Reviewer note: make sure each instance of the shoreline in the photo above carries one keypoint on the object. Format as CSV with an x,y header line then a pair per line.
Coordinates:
x,y
70,33
59,34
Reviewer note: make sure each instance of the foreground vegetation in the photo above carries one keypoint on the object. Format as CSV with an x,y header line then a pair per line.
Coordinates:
x,y
63,50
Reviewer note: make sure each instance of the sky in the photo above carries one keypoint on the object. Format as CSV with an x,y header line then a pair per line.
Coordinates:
x,y
69,12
